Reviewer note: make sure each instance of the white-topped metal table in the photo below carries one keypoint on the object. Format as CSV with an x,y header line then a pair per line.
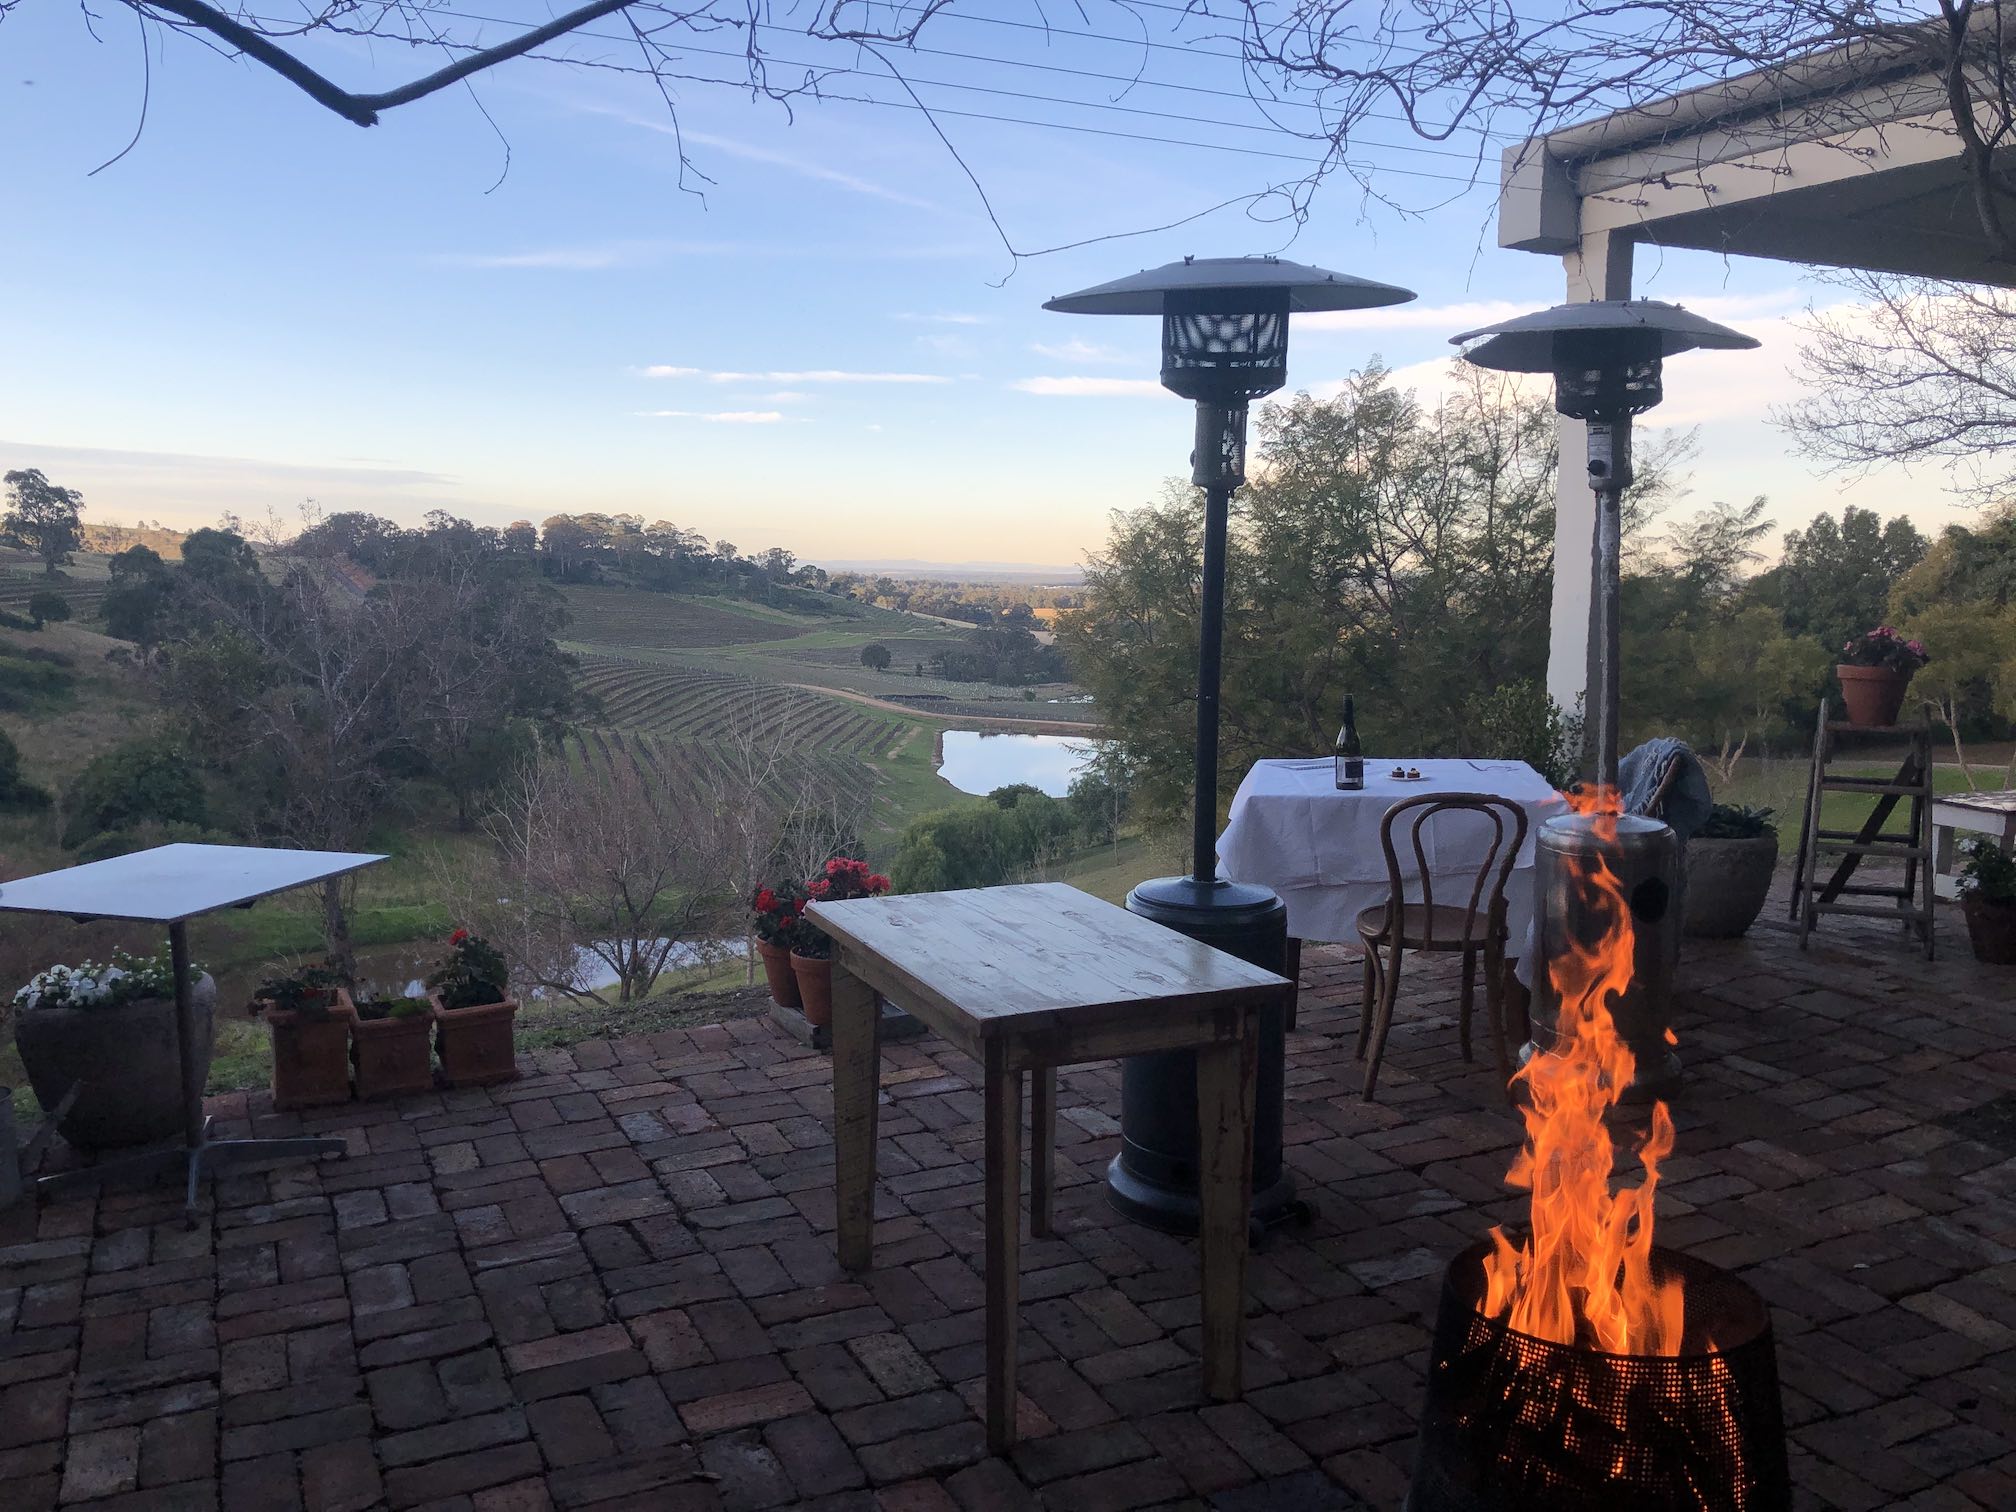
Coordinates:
x,y
171,885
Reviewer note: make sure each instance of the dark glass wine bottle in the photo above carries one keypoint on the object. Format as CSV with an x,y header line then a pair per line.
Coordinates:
x,y
1350,755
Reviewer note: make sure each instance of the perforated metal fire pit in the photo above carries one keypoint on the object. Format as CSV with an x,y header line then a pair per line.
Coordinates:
x,y
1514,1423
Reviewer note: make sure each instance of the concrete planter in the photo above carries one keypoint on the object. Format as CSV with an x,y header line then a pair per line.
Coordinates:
x,y
1726,884
125,1059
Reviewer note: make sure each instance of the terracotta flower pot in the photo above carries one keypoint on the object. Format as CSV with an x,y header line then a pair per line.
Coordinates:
x,y
389,1056
122,1060
1871,695
311,1056
475,1044
815,988
1991,929
777,968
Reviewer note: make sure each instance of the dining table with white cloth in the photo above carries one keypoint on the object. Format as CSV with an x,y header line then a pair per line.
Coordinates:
x,y
1317,846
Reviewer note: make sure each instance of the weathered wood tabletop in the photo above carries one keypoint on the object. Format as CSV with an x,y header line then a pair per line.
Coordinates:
x,y
1031,978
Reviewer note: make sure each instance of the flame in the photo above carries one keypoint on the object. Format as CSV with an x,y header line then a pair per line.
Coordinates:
x,y
1584,1275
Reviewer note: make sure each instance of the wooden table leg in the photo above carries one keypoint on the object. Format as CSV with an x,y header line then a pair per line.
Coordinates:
x,y
857,1076
1004,1222
1042,1149
1225,1080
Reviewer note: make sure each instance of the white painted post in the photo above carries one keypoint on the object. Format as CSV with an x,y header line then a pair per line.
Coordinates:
x,y
1599,269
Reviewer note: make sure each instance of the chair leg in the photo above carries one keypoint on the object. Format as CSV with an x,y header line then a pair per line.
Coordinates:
x,y
1494,1009
1389,993
1368,998
1466,1003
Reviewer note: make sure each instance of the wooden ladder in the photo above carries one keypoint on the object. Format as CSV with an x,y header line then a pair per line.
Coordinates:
x,y
1909,902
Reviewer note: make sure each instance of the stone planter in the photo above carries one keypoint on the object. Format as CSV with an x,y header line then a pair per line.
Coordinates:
x,y
777,971
1991,929
1726,884
123,1061
389,1057
475,1044
311,1056
1871,695
815,988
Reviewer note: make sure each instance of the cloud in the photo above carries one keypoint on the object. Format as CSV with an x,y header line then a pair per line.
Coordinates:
x,y
1446,318
1075,350
810,375
1080,385
947,317
783,396
719,417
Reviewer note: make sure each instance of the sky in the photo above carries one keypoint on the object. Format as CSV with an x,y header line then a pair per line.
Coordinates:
x,y
509,301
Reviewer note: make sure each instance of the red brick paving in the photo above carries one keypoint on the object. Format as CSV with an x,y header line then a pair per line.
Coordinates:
x,y
612,1284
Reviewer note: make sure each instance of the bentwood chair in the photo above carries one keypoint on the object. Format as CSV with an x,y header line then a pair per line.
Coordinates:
x,y
1475,928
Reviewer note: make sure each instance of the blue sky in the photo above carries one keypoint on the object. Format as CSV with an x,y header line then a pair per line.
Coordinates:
x,y
825,349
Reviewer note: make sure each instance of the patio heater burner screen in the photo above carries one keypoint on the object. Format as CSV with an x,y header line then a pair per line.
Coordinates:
x,y
1514,1423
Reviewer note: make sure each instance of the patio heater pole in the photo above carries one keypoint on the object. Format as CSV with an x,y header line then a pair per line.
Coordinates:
x,y
1609,476
1224,344
1221,438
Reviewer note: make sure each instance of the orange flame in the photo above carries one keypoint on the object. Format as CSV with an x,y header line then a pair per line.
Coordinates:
x,y
1584,1274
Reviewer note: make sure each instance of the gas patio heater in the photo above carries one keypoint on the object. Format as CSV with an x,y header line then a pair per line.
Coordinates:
x,y
1224,344
1605,356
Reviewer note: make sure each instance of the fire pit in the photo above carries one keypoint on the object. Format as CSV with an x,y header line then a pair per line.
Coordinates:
x,y
1514,1422
1577,1366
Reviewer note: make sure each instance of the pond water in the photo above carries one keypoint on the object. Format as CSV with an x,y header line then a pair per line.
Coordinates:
x,y
979,761
400,967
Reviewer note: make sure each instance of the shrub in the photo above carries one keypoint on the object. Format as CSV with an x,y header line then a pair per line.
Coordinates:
x,y
47,608
1989,874
31,680
14,792
472,975
141,780
145,836
1519,722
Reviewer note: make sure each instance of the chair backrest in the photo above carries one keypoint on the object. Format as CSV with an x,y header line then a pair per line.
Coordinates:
x,y
1493,871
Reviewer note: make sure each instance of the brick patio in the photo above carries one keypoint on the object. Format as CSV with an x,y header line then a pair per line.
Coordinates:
x,y
612,1285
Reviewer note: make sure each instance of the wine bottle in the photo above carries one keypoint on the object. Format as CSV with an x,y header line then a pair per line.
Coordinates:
x,y
1350,755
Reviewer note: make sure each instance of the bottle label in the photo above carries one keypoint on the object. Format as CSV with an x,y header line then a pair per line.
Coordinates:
x,y
1350,771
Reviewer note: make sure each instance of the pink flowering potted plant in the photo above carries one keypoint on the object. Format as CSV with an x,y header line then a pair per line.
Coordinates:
x,y
775,911
1874,670
812,949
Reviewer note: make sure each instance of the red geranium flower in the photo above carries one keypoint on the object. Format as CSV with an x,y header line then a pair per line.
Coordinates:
x,y
766,900
458,937
878,883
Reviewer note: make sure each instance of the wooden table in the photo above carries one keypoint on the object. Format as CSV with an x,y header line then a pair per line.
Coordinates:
x,y
1031,978
1989,814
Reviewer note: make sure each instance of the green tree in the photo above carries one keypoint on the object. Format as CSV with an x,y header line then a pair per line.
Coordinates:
x,y
1834,578
15,791
1398,553
42,517
47,608
876,657
137,598
148,779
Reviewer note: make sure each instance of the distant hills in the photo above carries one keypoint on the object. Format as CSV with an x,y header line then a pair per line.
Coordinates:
x,y
969,572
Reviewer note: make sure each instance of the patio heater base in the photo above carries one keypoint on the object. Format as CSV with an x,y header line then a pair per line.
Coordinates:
x,y
1153,1180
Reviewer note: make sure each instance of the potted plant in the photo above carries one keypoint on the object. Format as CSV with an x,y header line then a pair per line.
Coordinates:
x,y
473,1013
1729,863
776,911
310,1026
812,947
1987,886
1874,670
389,1036
107,1028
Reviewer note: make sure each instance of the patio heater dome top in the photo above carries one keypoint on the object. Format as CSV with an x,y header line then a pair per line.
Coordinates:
x,y
1533,343
1308,289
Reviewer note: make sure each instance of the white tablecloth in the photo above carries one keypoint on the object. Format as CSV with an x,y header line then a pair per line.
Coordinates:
x,y
1318,848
